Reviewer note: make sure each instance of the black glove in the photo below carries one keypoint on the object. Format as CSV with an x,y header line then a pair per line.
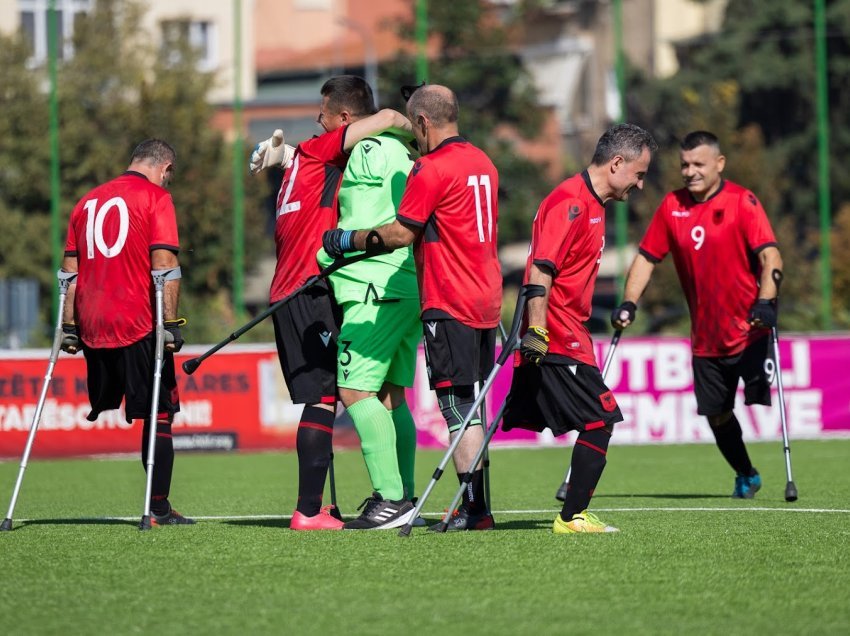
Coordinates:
x,y
763,314
70,338
629,307
337,242
535,344
173,337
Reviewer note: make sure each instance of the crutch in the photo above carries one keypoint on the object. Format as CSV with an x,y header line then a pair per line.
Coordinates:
x,y
526,292
65,280
790,488
485,462
159,277
561,495
191,365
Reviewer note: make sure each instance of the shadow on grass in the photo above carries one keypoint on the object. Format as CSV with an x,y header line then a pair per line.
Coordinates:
x,y
662,496
524,524
77,522
259,523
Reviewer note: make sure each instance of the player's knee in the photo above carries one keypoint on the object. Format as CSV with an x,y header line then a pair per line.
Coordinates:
x,y
715,421
455,403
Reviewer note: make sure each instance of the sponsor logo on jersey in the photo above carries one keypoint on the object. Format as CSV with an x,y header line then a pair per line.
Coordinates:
x,y
681,213
367,148
326,337
432,327
596,219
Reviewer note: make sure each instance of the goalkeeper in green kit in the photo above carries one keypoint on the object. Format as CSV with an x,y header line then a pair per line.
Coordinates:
x,y
380,331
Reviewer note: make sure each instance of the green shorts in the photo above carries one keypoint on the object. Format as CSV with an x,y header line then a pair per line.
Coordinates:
x,y
377,343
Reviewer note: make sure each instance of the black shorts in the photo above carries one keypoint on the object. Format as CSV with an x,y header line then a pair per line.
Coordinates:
x,y
456,354
306,330
126,373
716,379
560,397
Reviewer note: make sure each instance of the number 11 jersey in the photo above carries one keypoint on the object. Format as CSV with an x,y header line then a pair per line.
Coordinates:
x,y
452,195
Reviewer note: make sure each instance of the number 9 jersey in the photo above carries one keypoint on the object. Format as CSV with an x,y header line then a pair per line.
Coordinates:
x,y
715,245
452,195
112,232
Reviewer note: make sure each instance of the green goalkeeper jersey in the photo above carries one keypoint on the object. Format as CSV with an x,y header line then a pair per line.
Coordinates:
x,y
371,190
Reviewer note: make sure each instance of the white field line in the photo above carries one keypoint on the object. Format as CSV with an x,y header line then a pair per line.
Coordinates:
x,y
548,511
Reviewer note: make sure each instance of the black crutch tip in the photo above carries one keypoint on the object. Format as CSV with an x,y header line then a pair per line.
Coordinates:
x,y
790,492
190,366
561,495
145,523
6,526
405,531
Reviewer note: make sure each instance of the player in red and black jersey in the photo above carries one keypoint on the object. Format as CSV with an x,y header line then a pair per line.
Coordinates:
x,y
556,382
726,257
307,327
449,212
118,233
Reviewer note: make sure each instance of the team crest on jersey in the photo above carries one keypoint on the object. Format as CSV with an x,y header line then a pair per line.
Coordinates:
x,y
416,168
574,212
608,401
751,198
718,216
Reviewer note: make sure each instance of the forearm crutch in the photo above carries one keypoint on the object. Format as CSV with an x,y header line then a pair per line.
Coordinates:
x,y
191,365
159,277
526,292
790,488
561,495
485,460
65,280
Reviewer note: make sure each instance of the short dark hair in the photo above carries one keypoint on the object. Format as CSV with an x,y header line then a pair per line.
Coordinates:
x,y
154,151
626,140
438,103
700,138
351,93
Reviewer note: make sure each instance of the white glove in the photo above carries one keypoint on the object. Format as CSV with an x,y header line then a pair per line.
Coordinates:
x,y
271,152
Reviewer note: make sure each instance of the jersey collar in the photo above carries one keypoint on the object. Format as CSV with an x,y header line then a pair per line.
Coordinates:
x,y
133,173
586,177
716,192
457,139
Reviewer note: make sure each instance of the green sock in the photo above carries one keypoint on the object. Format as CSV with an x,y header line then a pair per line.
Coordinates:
x,y
375,427
405,444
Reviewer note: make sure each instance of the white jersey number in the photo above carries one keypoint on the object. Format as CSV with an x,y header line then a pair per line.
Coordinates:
x,y
287,206
698,235
94,227
477,182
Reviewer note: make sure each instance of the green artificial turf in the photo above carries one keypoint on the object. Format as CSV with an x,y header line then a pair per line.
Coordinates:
x,y
689,559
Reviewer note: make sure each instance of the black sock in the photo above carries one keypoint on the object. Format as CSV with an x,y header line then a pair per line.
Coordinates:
x,y
587,465
163,464
314,443
473,494
730,441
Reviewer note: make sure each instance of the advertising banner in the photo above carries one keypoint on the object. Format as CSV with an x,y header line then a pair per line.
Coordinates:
x,y
237,400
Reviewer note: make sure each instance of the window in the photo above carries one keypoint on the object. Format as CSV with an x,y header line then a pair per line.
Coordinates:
x,y
200,35
34,24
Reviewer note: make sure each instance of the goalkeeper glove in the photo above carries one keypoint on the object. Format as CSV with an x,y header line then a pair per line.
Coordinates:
x,y
271,152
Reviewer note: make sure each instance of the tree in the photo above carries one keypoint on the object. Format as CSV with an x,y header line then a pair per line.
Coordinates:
x,y
493,89
110,98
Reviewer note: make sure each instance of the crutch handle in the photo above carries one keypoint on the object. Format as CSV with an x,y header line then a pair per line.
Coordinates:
x,y
525,292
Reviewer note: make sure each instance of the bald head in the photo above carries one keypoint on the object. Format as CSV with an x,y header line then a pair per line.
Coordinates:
x,y
437,103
